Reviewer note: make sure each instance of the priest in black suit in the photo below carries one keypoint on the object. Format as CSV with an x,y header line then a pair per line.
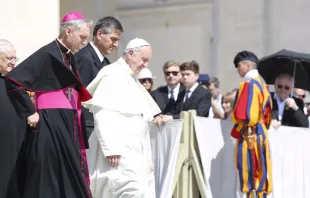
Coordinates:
x,y
12,128
55,164
194,97
287,111
168,96
92,58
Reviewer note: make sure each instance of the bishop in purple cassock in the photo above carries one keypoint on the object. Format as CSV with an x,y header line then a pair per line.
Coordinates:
x,y
55,164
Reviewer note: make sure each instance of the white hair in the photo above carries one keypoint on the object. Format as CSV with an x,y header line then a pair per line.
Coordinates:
x,y
4,45
75,24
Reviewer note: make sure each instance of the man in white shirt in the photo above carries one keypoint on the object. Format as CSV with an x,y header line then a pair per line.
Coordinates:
x,y
119,155
92,58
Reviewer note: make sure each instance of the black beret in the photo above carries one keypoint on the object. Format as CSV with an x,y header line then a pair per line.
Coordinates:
x,y
245,55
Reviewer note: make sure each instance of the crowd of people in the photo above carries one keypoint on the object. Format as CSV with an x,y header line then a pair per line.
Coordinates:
x,y
220,106
73,124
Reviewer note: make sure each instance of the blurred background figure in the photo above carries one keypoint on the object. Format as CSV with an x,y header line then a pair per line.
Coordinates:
x,y
287,110
228,104
203,80
307,105
146,79
216,110
301,94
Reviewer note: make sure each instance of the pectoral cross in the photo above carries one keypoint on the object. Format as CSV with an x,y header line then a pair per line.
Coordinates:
x,y
69,93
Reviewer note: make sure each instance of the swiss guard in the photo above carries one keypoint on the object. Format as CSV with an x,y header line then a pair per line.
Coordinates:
x,y
251,118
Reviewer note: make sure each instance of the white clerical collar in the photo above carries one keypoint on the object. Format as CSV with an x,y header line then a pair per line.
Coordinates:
x,y
251,74
101,57
175,89
126,67
192,89
63,46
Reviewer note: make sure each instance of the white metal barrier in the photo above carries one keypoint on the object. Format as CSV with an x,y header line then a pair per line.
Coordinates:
x,y
208,170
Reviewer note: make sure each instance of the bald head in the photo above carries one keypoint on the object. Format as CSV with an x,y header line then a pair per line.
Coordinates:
x,y
137,54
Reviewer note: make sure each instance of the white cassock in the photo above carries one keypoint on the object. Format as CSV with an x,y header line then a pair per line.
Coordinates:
x,y
122,109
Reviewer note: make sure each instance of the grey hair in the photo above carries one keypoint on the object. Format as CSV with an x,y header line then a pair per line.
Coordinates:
x,y
215,81
4,45
75,24
135,49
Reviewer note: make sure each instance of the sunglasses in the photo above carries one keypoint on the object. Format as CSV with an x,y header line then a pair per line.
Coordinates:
x,y
174,73
282,86
144,80
301,96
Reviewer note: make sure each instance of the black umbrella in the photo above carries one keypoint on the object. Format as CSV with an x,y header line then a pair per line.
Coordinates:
x,y
285,61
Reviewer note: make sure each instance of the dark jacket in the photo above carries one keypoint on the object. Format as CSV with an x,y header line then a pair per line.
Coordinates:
x,y
291,117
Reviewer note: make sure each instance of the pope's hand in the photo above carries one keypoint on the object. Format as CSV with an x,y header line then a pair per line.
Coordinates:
x,y
158,120
114,160
290,102
166,118
275,123
33,119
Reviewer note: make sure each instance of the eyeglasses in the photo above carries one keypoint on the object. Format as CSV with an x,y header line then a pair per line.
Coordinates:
x,y
11,59
300,96
285,87
144,80
174,73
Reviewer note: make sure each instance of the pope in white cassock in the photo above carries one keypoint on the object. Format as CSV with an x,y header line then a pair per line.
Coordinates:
x,y
120,159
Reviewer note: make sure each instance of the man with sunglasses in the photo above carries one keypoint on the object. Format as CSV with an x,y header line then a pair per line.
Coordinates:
x,y
167,97
287,110
301,94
